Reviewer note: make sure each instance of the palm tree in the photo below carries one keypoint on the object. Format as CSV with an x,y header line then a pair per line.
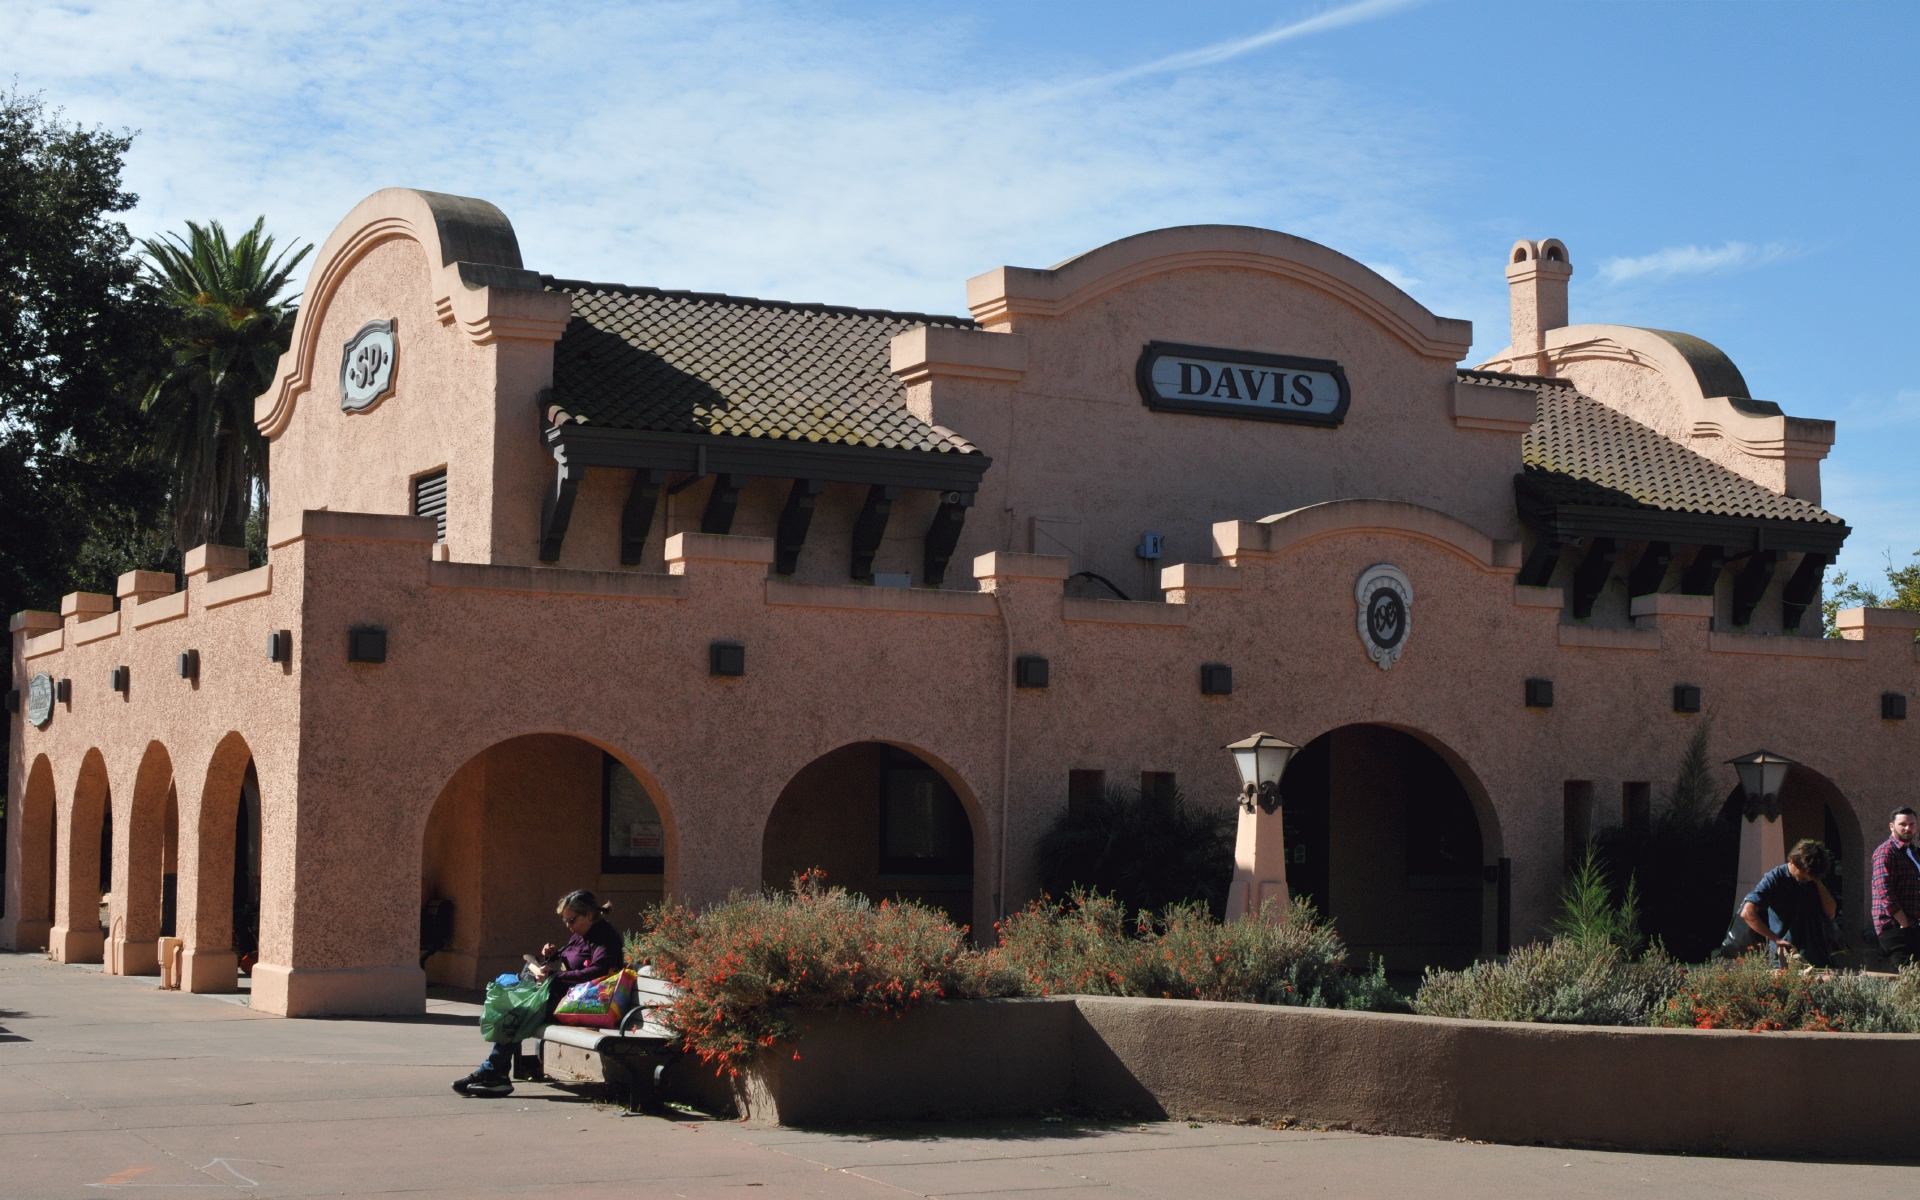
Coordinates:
x,y
230,326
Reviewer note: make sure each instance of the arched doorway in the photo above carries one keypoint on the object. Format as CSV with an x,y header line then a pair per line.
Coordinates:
x,y
218,909
141,857
1812,807
1383,837
30,865
82,874
880,820
518,826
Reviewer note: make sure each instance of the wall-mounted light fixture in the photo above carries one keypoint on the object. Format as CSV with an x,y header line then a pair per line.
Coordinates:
x,y
1030,671
1762,774
1539,693
190,664
119,679
280,646
1262,760
1686,698
63,691
726,658
1893,706
1216,679
367,645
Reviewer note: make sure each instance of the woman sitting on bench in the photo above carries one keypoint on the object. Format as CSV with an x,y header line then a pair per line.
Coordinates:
x,y
594,950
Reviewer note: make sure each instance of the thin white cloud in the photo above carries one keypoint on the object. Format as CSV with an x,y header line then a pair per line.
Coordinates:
x,y
1693,260
1350,14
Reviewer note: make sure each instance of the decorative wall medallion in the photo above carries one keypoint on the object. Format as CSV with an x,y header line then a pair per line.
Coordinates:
x,y
40,700
366,367
1386,612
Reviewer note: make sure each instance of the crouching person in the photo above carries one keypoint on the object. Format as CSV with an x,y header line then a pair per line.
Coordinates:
x,y
1790,907
593,950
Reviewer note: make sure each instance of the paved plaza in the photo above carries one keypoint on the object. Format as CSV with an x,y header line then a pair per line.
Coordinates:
x,y
109,1085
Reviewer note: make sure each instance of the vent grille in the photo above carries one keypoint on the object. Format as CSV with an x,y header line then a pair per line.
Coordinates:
x,y
430,500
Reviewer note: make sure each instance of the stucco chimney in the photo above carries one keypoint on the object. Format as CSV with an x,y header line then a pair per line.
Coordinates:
x,y
1537,274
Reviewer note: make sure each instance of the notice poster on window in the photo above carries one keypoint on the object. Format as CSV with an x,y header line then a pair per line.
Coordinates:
x,y
634,829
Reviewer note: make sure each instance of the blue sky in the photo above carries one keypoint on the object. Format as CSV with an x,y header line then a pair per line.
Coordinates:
x,y
1746,173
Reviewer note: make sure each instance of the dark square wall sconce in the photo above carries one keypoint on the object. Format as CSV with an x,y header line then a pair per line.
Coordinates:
x,y
280,646
119,679
1893,706
63,691
189,664
726,658
367,645
1686,698
1539,693
1216,679
1030,671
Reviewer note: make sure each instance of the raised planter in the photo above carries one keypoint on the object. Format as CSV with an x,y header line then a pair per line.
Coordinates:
x,y
1641,1089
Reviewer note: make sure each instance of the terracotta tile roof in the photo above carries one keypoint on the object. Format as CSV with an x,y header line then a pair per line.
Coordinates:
x,y
1581,452
691,362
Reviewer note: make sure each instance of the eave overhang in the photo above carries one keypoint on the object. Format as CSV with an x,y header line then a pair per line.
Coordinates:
x,y
1566,522
776,458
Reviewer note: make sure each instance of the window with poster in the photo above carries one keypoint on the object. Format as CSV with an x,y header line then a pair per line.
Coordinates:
x,y
632,838
923,826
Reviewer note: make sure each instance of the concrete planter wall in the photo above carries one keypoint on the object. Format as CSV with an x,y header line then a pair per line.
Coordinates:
x,y
1646,1089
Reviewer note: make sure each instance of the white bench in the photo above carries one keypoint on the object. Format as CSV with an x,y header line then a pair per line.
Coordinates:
x,y
633,1056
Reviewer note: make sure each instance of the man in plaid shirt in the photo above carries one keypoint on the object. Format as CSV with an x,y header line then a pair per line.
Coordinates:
x,y
1896,891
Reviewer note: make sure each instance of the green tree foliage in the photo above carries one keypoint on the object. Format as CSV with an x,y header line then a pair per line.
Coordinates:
x,y
78,339
1144,851
1903,591
229,326
1679,868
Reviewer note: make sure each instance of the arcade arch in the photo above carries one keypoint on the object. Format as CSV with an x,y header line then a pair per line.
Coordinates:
x,y
81,872
886,821
1390,836
218,908
1812,806
519,825
30,877
144,847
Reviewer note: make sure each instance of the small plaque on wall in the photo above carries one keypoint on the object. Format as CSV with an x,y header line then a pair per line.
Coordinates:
x,y
366,366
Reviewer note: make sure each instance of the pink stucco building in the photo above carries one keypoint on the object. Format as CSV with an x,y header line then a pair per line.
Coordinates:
x,y
576,584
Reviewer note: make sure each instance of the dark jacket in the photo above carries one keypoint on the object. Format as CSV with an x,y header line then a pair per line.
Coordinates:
x,y
589,955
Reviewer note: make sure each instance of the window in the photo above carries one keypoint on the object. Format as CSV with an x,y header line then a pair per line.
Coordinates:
x,y
633,840
1085,790
1576,820
430,500
923,826
1636,805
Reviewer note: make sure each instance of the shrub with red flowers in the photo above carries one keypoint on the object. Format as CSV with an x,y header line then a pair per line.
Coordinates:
x,y
750,969
1750,993
1083,946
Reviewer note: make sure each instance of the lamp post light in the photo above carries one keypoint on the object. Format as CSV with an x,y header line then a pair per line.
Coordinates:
x,y
1260,848
1762,840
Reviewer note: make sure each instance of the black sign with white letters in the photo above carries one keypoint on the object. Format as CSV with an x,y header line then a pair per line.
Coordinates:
x,y
1213,382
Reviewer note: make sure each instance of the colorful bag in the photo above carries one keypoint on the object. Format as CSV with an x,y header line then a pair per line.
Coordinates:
x,y
598,1003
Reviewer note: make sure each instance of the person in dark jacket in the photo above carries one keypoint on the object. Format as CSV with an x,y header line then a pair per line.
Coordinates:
x,y
594,950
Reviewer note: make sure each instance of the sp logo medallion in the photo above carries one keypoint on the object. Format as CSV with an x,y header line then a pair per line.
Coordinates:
x,y
366,366
40,700
1385,600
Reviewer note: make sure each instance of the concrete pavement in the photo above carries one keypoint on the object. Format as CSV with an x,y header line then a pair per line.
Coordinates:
x,y
110,1085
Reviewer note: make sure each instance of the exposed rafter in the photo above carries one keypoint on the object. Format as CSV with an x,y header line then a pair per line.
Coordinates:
x,y
943,535
1752,583
795,519
1596,565
1703,573
870,528
721,503
1650,570
636,519
557,511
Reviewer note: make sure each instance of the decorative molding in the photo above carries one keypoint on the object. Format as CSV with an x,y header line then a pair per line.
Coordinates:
x,y
153,612
350,526
939,351
1122,612
783,593
244,586
98,629
46,643
1588,638
556,581
1500,409
1281,533
1006,293
1786,647
1007,564
1539,597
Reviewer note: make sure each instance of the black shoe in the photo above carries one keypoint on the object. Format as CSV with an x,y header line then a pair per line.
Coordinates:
x,y
484,1083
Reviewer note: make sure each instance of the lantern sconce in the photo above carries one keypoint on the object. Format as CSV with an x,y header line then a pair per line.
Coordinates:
x,y
1262,760
1762,774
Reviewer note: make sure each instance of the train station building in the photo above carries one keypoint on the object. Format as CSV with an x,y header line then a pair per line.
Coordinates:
x,y
665,593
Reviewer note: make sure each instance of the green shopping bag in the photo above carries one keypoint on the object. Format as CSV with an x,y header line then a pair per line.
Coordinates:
x,y
512,1013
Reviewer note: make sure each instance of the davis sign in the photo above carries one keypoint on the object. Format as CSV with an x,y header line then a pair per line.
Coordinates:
x,y
1209,381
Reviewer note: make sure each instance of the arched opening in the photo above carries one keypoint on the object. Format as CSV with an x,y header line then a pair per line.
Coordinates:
x,y
1812,807
1385,838
83,875
1554,255
30,863
518,826
140,865
219,902
880,820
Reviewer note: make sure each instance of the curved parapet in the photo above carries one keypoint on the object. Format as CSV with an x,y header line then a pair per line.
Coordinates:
x,y
1006,293
1284,532
478,282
